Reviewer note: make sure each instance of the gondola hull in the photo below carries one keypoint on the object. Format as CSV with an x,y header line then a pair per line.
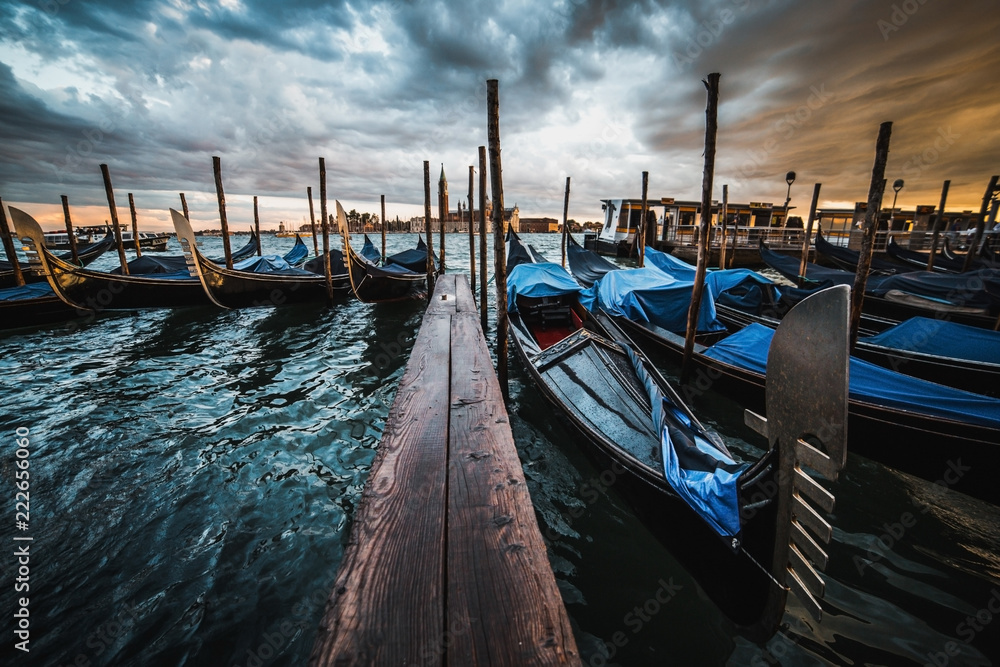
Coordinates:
x,y
95,291
960,455
590,385
86,256
375,284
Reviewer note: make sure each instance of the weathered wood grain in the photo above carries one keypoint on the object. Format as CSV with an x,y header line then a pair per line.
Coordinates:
x,y
503,604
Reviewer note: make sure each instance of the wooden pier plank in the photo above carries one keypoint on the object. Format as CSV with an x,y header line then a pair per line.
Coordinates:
x,y
497,561
445,563
387,603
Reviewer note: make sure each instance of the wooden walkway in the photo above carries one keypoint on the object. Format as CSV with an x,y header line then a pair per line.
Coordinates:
x,y
446,564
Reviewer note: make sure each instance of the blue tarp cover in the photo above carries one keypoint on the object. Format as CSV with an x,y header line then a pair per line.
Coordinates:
x,y
873,384
414,260
370,252
538,280
945,339
29,291
739,288
649,295
964,289
672,266
702,474
269,264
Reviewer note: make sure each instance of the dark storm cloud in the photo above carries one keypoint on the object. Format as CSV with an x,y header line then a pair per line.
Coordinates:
x,y
600,89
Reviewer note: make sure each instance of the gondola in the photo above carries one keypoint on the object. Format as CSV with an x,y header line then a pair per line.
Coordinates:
x,y
32,305
918,260
847,259
906,423
375,284
94,291
727,521
149,264
263,281
86,255
414,259
956,355
958,298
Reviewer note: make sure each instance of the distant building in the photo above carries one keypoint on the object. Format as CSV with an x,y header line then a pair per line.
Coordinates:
x,y
538,225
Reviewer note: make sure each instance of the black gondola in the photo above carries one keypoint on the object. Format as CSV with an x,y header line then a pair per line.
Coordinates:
x,y
375,284
958,298
918,260
169,264
370,252
414,259
234,288
632,420
32,305
948,353
910,424
847,259
87,254
94,291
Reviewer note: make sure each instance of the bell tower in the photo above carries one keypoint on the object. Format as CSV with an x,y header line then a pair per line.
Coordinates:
x,y
443,196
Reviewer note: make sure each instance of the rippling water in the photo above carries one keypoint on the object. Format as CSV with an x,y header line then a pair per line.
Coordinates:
x,y
194,473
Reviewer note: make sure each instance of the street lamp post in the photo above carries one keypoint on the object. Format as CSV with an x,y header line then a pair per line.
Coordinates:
x,y
897,185
789,178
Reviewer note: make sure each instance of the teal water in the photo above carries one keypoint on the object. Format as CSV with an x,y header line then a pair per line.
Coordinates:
x,y
194,474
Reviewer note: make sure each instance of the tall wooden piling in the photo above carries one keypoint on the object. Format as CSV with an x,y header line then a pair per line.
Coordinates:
x,y
939,222
114,218
224,221
565,227
312,220
382,220
8,246
499,249
809,232
135,225
870,224
256,226
725,226
482,240
73,247
472,232
711,132
184,208
327,271
644,224
980,224
427,227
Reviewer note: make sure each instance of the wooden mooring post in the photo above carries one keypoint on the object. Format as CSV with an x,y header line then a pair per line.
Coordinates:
x,y
9,247
223,220
483,315
312,220
445,563
110,192
73,249
135,225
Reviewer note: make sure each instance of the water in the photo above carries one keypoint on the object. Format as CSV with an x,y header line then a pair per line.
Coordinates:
x,y
194,474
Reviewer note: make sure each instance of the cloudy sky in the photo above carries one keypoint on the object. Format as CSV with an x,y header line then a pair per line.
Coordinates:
x,y
599,90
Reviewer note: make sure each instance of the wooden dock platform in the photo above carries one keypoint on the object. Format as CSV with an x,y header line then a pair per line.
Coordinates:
x,y
446,564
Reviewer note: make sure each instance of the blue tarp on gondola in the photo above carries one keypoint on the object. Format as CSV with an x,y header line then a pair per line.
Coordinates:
x,y
29,291
370,252
962,289
537,281
869,383
672,266
649,295
415,259
704,475
740,288
270,264
943,338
